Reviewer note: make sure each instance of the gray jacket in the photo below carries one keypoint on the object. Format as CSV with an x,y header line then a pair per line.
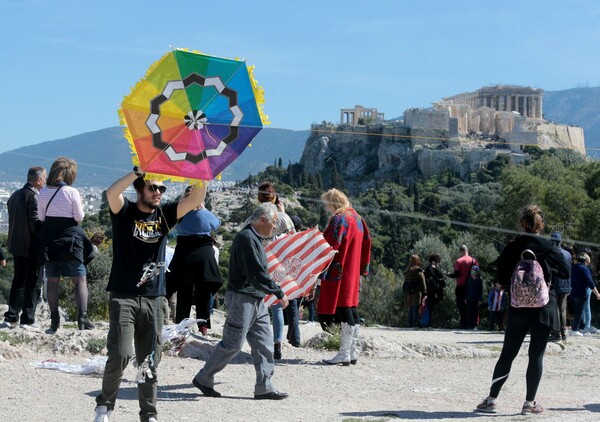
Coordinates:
x,y
248,272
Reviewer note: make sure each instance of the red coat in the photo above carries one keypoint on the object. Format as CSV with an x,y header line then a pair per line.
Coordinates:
x,y
348,234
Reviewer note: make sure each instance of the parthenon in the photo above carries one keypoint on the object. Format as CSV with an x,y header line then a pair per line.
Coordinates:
x,y
495,109
524,100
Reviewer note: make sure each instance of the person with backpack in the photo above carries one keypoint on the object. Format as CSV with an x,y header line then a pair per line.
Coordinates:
x,y
529,260
414,289
434,278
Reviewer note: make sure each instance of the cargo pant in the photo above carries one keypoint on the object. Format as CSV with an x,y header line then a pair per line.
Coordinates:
x,y
134,320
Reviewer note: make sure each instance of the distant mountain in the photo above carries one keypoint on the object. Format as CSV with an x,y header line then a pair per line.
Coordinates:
x,y
578,107
104,155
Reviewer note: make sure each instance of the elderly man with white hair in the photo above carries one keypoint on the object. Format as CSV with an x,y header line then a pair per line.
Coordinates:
x,y
247,314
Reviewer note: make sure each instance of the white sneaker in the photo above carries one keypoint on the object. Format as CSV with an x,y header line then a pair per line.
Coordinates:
x,y
102,414
33,326
576,333
590,330
7,324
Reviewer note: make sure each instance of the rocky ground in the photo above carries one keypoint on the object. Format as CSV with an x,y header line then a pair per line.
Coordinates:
x,y
402,374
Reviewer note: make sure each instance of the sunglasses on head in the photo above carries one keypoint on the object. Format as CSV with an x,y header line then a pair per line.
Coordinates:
x,y
154,188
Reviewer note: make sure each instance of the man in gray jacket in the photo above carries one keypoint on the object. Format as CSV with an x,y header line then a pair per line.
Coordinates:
x,y
247,314
25,245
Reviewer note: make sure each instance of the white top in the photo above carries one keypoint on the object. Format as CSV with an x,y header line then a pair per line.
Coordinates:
x,y
66,203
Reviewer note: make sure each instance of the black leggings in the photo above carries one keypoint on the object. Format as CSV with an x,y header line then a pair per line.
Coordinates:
x,y
342,314
347,315
516,330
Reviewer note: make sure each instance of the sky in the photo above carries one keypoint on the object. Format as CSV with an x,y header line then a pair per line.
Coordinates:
x,y
66,65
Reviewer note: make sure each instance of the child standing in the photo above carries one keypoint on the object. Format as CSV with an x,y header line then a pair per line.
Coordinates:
x,y
473,297
496,307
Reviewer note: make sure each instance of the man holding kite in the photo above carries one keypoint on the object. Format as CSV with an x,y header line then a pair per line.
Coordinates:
x,y
137,286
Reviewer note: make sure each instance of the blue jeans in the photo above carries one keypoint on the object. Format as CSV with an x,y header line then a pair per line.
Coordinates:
x,y
578,309
587,312
277,311
310,305
413,316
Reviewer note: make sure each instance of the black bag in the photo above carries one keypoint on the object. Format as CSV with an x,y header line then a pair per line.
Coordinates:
x,y
432,285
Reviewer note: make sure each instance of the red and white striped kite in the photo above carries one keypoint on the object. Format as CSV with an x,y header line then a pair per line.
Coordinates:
x,y
295,261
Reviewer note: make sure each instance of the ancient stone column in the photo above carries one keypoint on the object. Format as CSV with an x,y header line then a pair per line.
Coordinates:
x,y
519,108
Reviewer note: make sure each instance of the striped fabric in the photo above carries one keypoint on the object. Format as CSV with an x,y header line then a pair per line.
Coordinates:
x,y
66,203
296,260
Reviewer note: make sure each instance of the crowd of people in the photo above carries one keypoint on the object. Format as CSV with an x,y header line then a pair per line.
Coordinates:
x,y
537,281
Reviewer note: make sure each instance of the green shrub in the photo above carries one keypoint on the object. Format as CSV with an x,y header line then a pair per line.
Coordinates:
x,y
380,298
96,345
332,341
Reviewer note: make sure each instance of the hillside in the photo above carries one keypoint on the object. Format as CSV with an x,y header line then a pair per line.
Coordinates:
x,y
104,155
578,107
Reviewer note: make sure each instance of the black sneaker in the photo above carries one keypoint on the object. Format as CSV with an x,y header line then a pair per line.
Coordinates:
x,y
207,391
272,395
554,336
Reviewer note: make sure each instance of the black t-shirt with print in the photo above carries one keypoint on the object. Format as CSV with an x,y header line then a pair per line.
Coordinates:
x,y
139,240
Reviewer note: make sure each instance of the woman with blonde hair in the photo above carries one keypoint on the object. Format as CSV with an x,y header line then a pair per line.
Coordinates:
x,y
416,289
347,233
61,209
520,320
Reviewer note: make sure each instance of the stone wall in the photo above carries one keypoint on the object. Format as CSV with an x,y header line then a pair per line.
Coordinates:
x,y
560,136
546,136
418,118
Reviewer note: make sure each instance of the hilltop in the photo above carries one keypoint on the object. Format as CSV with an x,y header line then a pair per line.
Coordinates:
x,y
402,374
104,155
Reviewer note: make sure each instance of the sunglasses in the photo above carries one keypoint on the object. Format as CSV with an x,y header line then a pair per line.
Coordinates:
x,y
159,188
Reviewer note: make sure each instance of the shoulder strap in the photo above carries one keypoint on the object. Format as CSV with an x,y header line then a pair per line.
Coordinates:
x,y
48,204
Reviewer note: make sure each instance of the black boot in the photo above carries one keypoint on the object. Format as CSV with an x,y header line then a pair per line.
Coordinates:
x,y
277,352
83,322
54,321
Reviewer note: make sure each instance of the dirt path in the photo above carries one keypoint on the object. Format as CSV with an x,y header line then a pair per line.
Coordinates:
x,y
403,374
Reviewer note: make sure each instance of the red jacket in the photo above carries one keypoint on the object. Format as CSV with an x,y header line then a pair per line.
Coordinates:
x,y
347,233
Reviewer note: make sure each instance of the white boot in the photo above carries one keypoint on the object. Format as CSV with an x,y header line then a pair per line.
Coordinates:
x,y
343,356
354,345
